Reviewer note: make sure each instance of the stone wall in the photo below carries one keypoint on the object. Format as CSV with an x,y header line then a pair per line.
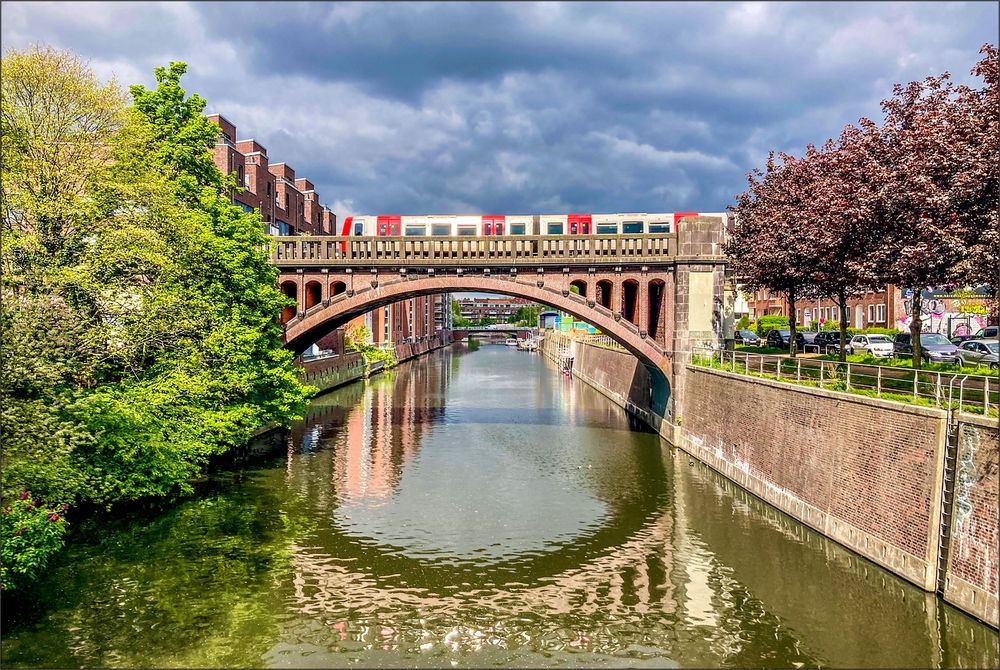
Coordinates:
x,y
862,471
971,581
328,373
617,374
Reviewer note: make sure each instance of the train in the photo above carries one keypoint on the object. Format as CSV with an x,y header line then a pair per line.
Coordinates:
x,y
490,225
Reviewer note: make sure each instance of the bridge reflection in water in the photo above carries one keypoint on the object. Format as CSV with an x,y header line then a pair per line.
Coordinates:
x,y
582,536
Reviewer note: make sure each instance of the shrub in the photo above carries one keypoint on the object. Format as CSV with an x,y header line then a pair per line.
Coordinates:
x,y
32,533
891,332
743,323
771,322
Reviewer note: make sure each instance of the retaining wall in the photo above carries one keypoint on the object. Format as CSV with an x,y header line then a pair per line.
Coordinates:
x,y
864,472
328,373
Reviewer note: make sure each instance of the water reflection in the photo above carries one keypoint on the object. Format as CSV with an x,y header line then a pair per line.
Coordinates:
x,y
477,509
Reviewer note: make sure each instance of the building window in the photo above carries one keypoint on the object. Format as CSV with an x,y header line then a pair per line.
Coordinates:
x,y
808,316
836,313
797,315
871,313
880,313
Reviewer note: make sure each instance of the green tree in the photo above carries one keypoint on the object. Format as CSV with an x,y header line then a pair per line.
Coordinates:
x,y
138,302
527,315
457,320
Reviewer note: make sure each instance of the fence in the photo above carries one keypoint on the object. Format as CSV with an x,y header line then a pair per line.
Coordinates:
x,y
971,393
597,339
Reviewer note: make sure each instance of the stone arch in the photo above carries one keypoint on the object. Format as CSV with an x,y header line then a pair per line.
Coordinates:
x,y
654,299
290,289
378,293
630,300
605,293
313,294
580,286
337,287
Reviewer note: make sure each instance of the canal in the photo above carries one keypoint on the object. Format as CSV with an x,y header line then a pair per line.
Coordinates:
x,y
473,508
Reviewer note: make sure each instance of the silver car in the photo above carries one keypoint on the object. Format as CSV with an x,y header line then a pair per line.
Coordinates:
x,y
979,352
879,346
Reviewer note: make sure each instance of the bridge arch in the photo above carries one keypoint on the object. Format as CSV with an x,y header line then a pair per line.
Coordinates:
x,y
313,294
605,293
322,319
289,289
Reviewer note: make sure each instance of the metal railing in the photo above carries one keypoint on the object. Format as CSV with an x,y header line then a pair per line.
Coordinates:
x,y
597,339
329,353
976,393
454,251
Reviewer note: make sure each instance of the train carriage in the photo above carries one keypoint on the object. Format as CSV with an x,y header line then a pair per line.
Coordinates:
x,y
499,225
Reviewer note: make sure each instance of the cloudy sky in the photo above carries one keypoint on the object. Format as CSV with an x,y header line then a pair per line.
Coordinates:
x,y
523,108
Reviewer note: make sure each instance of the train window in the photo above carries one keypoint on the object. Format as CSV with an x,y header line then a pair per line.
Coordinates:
x,y
633,227
466,230
359,228
517,229
555,228
418,231
659,227
607,229
441,229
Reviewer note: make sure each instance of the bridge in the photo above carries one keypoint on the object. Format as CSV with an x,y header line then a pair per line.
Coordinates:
x,y
658,295
498,329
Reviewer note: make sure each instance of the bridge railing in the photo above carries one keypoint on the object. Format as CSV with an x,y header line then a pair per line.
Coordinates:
x,y
971,393
527,249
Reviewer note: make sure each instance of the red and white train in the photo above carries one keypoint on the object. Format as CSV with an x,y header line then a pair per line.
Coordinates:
x,y
475,225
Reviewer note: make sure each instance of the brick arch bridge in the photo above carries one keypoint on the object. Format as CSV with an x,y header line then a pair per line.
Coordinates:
x,y
658,295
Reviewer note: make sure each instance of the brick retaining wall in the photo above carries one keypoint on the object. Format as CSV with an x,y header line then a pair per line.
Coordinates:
x,y
864,472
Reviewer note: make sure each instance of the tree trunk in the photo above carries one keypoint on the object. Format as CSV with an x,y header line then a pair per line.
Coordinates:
x,y
792,344
915,326
844,320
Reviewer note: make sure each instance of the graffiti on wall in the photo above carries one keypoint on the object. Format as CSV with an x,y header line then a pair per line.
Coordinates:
x,y
951,317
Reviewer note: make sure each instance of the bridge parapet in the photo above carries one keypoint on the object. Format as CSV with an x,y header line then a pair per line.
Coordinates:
x,y
530,250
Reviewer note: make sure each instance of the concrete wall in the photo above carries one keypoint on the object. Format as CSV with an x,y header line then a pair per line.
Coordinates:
x,y
864,472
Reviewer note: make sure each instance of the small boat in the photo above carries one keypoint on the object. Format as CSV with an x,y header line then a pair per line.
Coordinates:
x,y
511,341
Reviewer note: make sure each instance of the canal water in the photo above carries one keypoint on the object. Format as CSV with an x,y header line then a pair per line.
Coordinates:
x,y
474,509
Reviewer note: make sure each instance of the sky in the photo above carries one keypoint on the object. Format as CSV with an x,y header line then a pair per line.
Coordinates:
x,y
518,108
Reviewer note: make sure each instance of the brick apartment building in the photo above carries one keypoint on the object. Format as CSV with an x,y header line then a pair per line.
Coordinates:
x,y
942,312
497,309
290,205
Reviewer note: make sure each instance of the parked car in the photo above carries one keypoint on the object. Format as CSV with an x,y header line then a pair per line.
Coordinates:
x,y
979,352
808,337
878,346
934,347
780,338
825,339
747,337
987,333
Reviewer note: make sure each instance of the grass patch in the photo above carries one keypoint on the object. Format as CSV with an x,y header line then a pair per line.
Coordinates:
x,y
760,350
908,363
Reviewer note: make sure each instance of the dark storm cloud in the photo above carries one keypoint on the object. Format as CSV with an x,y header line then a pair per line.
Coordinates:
x,y
514,108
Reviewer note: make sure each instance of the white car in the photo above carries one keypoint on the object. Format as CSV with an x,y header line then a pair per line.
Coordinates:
x,y
878,346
